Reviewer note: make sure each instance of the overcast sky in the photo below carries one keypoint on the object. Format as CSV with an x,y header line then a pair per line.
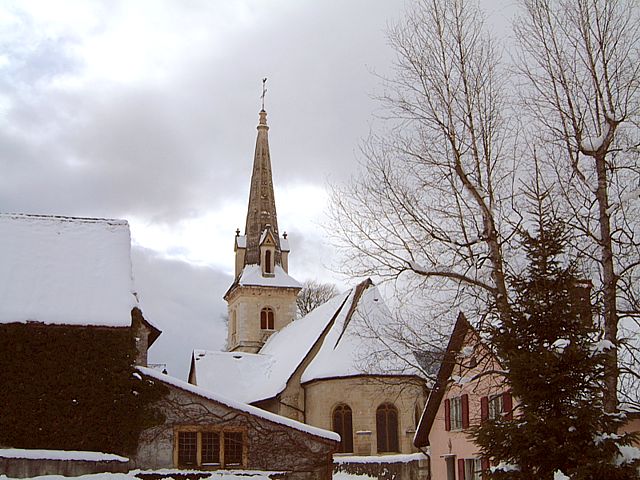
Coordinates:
x,y
146,110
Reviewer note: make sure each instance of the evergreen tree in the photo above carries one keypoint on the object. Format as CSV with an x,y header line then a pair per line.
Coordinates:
x,y
550,349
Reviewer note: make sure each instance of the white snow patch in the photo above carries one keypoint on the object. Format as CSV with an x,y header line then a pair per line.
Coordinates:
x,y
591,144
258,412
65,271
560,344
467,351
602,346
252,275
628,454
558,475
350,476
402,458
60,455
505,467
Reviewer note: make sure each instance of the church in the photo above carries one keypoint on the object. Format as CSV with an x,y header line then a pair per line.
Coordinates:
x,y
309,369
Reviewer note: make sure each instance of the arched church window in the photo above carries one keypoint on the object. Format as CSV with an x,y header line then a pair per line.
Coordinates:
x,y
267,319
387,428
342,424
267,262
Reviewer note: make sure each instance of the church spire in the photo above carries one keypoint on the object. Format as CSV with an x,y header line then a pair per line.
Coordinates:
x,y
261,214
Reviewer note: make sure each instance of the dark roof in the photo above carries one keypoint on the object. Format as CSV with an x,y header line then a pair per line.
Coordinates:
x,y
462,326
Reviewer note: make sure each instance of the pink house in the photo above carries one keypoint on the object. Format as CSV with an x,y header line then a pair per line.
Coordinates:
x,y
469,388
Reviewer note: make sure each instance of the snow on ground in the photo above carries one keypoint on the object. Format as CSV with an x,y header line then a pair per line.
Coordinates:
x,y
65,270
217,475
60,455
401,458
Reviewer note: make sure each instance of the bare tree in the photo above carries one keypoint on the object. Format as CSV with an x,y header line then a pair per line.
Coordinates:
x,y
314,294
432,206
582,70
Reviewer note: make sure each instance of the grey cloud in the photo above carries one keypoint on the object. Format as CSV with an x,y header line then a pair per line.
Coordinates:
x,y
185,302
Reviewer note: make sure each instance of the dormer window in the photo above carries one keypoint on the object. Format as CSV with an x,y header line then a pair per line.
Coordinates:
x,y
267,319
267,262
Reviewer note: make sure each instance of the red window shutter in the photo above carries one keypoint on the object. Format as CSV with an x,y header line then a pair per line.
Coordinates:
x,y
461,469
507,405
484,408
447,414
485,466
465,411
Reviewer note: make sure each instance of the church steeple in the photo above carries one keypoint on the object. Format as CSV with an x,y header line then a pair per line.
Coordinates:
x,y
262,298
261,214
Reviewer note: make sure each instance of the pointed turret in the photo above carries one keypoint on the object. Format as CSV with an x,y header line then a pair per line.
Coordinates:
x,y
261,213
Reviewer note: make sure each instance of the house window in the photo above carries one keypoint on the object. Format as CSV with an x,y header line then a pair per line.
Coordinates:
x,y
387,428
456,412
210,448
496,406
342,424
472,469
267,319
187,448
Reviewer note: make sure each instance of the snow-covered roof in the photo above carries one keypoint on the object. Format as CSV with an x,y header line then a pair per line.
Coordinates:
x,y
235,404
252,276
65,270
253,377
250,377
349,341
241,241
284,244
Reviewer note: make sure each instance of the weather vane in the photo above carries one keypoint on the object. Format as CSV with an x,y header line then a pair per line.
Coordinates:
x,y
264,90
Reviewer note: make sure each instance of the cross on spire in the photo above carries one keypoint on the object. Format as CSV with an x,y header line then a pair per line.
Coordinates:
x,y
264,90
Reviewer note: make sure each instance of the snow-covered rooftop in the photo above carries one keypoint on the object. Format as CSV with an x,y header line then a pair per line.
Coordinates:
x,y
249,377
65,270
237,405
252,377
252,276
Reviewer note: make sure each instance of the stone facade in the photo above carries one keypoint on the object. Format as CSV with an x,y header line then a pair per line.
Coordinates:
x,y
267,445
245,304
364,394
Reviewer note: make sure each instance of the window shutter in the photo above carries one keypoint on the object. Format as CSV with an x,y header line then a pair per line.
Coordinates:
x,y
485,466
484,408
465,411
461,469
447,415
507,405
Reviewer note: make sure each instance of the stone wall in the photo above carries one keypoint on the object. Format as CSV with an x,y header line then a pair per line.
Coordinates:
x,y
33,467
364,394
390,467
270,446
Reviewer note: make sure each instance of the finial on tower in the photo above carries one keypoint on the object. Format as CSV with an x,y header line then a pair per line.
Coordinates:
x,y
264,91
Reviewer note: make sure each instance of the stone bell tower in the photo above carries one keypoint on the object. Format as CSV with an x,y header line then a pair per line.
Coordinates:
x,y
262,298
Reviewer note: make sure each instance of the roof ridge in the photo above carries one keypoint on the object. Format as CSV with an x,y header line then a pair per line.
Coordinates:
x,y
358,291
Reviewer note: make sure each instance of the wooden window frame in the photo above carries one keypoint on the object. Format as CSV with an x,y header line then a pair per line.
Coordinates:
x,y
199,430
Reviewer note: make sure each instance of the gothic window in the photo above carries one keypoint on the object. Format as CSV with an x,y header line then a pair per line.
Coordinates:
x,y
267,262
387,428
267,319
342,424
